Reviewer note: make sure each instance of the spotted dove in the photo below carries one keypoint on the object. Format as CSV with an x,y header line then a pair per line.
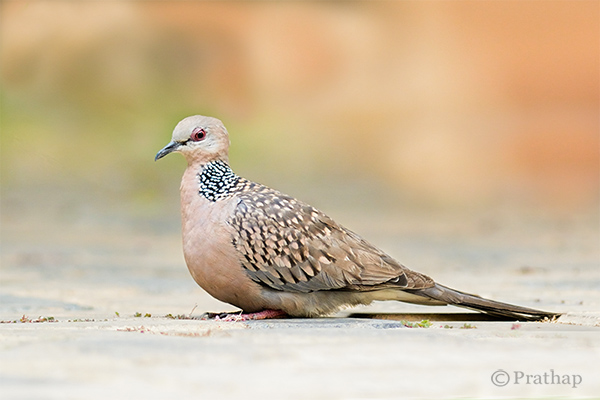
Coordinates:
x,y
271,255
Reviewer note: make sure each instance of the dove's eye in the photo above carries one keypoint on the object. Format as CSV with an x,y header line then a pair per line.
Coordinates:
x,y
198,134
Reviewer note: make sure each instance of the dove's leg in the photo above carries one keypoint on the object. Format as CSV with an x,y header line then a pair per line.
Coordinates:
x,y
238,316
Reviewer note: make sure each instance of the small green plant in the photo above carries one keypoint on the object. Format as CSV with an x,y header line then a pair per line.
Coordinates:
x,y
468,326
139,315
25,319
423,324
179,316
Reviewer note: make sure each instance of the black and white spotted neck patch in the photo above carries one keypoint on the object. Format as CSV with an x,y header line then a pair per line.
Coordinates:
x,y
217,181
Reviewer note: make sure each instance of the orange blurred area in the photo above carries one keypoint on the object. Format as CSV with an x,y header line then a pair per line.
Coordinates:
x,y
442,102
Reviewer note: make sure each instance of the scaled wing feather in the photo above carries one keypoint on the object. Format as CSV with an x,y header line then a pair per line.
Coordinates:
x,y
291,246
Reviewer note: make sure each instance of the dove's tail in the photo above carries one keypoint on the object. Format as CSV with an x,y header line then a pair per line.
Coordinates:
x,y
491,307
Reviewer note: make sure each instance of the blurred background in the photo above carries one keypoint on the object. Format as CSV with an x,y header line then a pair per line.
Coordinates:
x,y
363,109
446,103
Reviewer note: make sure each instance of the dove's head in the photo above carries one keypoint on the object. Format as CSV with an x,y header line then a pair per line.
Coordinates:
x,y
200,139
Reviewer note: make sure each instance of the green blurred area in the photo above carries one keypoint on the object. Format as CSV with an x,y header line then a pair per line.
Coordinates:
x,y
464,104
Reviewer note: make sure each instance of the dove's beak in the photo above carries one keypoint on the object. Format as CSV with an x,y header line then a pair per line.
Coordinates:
x,y
171,147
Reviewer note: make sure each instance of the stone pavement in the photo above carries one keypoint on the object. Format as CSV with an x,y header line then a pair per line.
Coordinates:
x,y
331,358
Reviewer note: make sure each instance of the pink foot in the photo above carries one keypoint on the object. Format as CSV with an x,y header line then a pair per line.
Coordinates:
x,y
265,314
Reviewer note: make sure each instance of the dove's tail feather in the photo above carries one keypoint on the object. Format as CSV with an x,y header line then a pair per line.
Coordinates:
x,y
491,307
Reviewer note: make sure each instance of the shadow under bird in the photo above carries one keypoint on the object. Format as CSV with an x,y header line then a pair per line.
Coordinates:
x,y
273,255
